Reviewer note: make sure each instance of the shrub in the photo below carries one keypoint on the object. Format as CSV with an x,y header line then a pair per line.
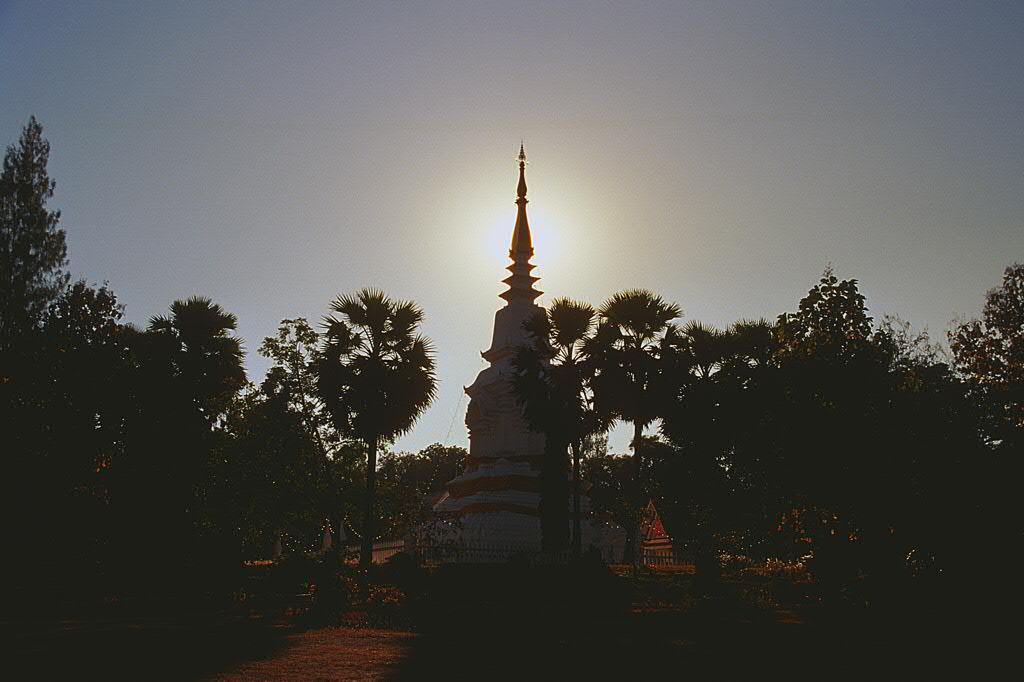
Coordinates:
x,y
333,588
402,571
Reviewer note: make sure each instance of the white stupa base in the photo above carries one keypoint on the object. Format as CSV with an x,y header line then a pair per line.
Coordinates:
x,y
497,536
501,530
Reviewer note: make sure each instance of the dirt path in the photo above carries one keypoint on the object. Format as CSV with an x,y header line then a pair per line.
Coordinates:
x,y
328,654
200,647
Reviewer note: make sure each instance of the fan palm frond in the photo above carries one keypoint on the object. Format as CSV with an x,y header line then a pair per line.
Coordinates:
x,y
639,312
571,321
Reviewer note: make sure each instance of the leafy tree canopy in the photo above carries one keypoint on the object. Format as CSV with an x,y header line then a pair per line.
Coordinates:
x,y
990,353
409,479
832,322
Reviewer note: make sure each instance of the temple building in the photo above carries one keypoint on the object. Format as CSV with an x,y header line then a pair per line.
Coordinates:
x,y
497,498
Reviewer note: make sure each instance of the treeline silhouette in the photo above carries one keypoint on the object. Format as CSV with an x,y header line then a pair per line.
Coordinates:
x,y
862,449
142,463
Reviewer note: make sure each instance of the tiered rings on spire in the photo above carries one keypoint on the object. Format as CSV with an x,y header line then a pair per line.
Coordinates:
x,y
520,282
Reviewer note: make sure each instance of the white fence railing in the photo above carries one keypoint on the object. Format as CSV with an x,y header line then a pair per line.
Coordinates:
x,y
384,550
663,556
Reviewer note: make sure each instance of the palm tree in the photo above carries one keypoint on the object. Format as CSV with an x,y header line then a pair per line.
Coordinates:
x,y
752,342
633,335
709,421
701,360
376,377
552,383
189,372
197,345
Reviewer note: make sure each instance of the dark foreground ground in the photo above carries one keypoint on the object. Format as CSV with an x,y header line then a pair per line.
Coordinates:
x,y
496,624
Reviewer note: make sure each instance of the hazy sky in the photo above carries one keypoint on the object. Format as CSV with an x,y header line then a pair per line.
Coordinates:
x,y
273,155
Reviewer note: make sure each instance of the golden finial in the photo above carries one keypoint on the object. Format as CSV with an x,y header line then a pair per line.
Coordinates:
x,y
521,190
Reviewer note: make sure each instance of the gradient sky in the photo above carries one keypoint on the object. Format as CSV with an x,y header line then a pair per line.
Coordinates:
x,y
273,155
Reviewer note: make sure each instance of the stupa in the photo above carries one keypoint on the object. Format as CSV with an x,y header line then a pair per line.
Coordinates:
x,y
496,500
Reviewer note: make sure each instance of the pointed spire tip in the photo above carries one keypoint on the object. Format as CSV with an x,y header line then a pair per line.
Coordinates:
x,y
520,283
521,189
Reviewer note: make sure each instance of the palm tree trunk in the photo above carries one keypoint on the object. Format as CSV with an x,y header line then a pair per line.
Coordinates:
x,y
577,537
554,503
366,551
633,549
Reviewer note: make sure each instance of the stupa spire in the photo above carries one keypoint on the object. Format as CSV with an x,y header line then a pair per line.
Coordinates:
x,y
520,282
497,499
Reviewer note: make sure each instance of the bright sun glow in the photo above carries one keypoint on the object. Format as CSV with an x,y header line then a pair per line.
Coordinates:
x,y
553,228
547,242
562,225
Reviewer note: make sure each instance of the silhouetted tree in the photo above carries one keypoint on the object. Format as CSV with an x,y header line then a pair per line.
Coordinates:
x,y
406,480
837,393
871,428
376,377
627,352
32,246
831,324
295,351
188,371
553,384
713,415
610,476
63,406
693,494
272,481
989,356
990,353
201,355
